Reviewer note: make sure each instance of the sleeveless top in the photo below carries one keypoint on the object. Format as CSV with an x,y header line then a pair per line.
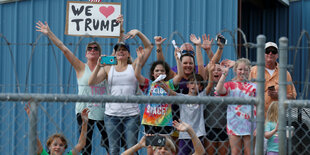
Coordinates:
x,y
122,84
96,109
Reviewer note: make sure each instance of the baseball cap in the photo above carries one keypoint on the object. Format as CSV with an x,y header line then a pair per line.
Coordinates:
x,y
271,44
119,44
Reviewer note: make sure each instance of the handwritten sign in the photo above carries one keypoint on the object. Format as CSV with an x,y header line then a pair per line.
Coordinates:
x,y
92,19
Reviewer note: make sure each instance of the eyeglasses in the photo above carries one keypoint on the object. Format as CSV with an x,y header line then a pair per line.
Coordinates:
x,y
90,48
272,51
188,52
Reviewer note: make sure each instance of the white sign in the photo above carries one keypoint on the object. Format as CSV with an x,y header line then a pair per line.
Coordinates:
x,y
92,19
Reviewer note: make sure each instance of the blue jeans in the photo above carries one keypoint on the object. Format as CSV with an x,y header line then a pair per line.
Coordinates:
x,y
118,128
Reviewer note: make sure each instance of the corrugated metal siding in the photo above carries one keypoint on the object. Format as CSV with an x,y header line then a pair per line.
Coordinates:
x,y
277,21
152,17
272,21
299,15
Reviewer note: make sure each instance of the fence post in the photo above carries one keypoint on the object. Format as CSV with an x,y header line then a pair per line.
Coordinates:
x,y
260,80
33,119
283,47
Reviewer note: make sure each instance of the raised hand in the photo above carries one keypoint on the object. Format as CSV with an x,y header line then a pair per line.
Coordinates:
x,y
120,19
84,115
99,61
131,34
195,40
159,40
177,53
219,43
225,70
228,63
180,125
206,42
140,52
42,27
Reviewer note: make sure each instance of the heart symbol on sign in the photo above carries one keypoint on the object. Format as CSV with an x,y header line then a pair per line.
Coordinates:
x,y
106,11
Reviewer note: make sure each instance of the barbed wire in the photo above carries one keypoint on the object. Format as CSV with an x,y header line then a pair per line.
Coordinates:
x,y
247,45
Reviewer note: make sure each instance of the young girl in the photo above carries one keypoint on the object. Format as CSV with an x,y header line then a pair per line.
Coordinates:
x,y
216,141
169,148
239,119
271,129
57,143
157,118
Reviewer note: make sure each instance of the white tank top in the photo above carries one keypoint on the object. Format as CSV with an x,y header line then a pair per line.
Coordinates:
x,y
96,110
122,84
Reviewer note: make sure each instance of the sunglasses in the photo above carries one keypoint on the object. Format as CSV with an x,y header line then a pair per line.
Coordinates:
x,y
272,51
90,48
188,52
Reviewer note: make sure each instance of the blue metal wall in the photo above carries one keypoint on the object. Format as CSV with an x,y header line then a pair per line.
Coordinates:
x,y
299,15
44,69
275,20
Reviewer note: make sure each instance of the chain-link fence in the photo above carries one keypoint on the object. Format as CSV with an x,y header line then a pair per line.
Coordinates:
x,y
55,113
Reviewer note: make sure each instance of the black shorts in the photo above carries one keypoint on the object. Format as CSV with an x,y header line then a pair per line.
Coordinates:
x,y
216,134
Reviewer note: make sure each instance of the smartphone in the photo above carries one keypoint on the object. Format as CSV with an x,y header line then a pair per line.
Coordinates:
x,y
155,140
222,39
271,88
109,60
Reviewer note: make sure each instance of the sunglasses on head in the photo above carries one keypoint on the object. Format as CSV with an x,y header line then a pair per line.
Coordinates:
x,y
90,48
188,52
272,51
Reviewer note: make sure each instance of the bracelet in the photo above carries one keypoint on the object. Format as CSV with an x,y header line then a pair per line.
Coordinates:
x,y
221,48
158,50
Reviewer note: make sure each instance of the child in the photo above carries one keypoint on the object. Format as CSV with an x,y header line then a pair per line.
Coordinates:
x,y
157,118
216,141
271,129
192,114
57,143
239,119
169,148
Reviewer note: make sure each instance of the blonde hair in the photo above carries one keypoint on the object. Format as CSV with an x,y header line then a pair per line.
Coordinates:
x,y
169,144
272,112
246,61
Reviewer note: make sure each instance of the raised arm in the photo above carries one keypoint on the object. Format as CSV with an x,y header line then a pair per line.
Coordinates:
x,y
136,147
120,19
206,45
39,144
139,76
228,63
146,42
197,42
180,74
77,64
99,74
184,127
220,89
82,140
159,50
217,56
211,67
